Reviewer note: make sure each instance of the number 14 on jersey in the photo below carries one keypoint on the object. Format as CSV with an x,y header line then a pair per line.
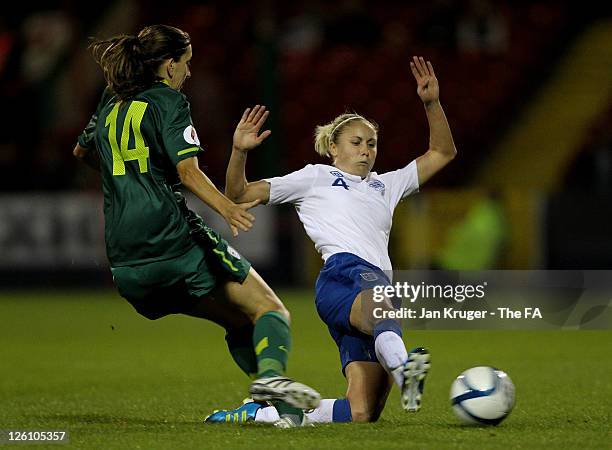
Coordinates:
x,y
122,153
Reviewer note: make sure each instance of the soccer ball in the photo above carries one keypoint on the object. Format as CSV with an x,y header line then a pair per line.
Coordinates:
x,y
482,395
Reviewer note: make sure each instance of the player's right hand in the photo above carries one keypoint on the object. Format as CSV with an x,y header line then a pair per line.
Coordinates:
x,y
238,217
246,135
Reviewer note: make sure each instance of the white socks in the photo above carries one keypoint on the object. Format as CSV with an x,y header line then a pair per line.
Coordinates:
x,y
391,353
322,413
268,414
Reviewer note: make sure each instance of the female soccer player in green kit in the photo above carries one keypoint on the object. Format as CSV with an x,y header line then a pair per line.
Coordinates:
x,y
163,258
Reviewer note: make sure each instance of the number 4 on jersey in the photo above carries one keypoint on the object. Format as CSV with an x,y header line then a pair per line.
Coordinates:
x,y
340,182
140,153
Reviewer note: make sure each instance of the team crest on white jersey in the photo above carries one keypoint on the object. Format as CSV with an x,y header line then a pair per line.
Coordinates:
x,y
190,135
377,185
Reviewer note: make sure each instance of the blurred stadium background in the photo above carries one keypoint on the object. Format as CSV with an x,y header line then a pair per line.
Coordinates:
x,y
526,85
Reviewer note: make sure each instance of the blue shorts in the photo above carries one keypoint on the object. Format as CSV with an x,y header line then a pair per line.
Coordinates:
x,y
341,279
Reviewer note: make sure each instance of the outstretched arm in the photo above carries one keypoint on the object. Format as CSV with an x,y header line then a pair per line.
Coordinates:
x,y
197,182
441,146
246,137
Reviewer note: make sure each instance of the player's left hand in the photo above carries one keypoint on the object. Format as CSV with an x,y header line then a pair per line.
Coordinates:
x,y
427,83
238,218
246,135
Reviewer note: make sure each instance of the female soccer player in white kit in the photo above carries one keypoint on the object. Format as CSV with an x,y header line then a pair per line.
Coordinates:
x,y
347,210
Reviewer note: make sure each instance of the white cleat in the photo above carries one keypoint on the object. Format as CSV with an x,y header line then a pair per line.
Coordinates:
x,y
285,389
415,371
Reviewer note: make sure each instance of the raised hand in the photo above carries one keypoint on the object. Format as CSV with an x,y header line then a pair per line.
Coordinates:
x,y
427,83
246,135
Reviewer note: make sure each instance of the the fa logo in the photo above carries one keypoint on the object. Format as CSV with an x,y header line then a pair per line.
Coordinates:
x,y
377,185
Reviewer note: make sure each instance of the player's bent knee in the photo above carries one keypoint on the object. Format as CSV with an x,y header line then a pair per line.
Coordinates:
x,y
284,311
269,302
277,307
260,298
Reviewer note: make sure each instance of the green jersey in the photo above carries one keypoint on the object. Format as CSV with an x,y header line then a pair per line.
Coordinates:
x,y
140,142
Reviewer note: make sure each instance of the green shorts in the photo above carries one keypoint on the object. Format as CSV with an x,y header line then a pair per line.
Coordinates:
x,y
173,286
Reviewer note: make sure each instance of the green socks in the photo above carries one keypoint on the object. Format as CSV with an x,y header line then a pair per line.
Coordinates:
x,y
263,352
240,344
272,343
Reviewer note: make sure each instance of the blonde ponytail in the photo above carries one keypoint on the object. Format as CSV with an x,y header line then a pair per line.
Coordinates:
x,y
322,139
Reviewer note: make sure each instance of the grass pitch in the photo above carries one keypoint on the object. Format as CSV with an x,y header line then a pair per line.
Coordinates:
x,y
85,362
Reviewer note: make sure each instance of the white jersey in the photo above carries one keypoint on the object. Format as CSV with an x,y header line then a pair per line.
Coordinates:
x,y
344,213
